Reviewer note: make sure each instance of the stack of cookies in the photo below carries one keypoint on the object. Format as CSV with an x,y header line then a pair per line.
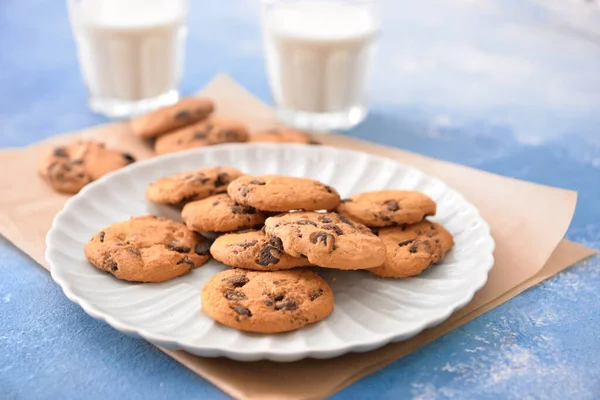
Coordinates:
x,y
270,228
187,124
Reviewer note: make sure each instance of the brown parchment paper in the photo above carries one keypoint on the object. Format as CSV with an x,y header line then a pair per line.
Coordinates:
x,y
528,222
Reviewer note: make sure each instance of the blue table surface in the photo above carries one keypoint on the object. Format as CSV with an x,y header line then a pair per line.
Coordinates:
x,y
511,87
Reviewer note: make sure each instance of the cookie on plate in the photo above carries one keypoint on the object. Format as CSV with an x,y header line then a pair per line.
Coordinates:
x,y
147,249
328,240
254,250
186,111
220,213
283,193
205,133
412,249
188,186
281,135
69,168
387,207
267,302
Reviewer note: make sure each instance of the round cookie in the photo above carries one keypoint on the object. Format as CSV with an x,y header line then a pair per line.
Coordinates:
x,y
147,249
191,185
387,207
267,302
412,249
328,240
254,250
281,136
283,193
205,133
69,168
186,111
220,213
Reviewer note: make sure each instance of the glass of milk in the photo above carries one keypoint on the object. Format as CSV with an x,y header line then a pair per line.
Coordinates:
x,y
130,51
318,56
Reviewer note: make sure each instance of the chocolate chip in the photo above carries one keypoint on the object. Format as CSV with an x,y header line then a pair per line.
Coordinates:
x,y
329,189
386,218
240,209
198,178
322,237
178,247
183,114
133,251
202,248
268,255
222,179
247,245
279,297
244,191
128,157
188,198
414,248
315,293
61,152
333,227
268,303
101,236
306,222
257,182
233,295
113,266
242,311
289,305
392,205
186,260
405,242
276,242
345,220
237,280
200,135
325,219
432,227
215,203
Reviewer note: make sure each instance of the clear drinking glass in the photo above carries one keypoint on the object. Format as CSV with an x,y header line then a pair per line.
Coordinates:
x,y
318,56
130,51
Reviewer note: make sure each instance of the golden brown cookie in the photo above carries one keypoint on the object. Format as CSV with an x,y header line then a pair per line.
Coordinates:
x,y
387,207
147,249
69,168
205,133
267,302
413,248
328,240
254,250
188,186
185,112
283,193
220,213
282,135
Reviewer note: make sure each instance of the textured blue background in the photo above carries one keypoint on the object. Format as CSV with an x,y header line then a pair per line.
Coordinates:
x,y
505,86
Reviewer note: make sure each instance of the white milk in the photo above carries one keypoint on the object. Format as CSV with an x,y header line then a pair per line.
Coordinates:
x,y
130,50
318,55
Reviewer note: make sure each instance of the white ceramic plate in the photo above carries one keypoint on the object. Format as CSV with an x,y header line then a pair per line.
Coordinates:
x,y
369,312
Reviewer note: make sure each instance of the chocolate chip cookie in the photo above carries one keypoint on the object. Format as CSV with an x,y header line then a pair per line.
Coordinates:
x,y
283,193
267,302
387,207
69,168
412,249
254,250
282,135
188,186
206,133
147,249
328,240
220,213
185,112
